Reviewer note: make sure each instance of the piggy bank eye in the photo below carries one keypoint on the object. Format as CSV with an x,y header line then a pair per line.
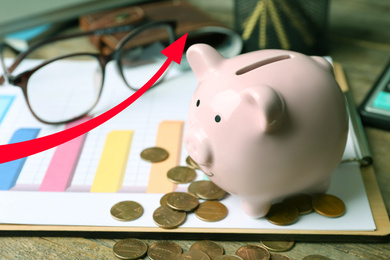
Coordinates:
x,y
198,103
217,118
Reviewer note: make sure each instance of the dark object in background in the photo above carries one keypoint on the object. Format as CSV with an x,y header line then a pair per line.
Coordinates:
x,y
201,28
297,25
375,109
19,15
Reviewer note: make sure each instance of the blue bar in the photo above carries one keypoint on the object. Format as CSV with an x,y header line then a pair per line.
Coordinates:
x,y
5,104
9,171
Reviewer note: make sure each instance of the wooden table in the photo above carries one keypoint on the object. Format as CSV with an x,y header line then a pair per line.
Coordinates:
x,y
359,39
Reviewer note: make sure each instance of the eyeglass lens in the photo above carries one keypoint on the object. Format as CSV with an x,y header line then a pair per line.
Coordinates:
x,y
69,93
58,92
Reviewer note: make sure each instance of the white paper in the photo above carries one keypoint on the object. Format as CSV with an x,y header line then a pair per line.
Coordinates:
x,y
168,101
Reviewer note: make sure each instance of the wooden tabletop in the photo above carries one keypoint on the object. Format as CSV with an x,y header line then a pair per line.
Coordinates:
x,y
359,39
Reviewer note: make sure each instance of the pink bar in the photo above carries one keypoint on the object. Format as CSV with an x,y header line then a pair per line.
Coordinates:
x,y
61,169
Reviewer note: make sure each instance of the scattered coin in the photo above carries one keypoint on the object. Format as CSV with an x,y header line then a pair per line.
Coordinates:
x,y
277,246
130,249
211,248
315,257
328,205
154,154
211,211
164,250
282,214
182,201
168,218
126,211
280,257
207,190
194,255
252,252
229,257
181,175
191,163
192,187
302,202
163,200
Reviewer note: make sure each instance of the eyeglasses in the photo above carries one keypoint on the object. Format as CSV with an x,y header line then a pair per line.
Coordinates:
x,y
77,86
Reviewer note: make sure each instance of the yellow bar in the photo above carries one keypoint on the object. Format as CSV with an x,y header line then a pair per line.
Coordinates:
x,y
169,137
112,165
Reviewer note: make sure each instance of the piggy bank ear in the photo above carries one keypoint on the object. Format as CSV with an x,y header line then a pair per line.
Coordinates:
x,y
269,104
203,59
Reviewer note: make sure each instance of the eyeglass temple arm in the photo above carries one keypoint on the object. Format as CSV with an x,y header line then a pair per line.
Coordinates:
x,y
13,66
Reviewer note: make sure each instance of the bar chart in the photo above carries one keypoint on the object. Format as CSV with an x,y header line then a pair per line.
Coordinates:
x,y
110,157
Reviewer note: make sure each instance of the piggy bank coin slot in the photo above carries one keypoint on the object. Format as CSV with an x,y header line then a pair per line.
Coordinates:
x,y
262,63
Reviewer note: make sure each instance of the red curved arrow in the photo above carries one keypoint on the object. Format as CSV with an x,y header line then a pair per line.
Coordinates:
x,y
10,152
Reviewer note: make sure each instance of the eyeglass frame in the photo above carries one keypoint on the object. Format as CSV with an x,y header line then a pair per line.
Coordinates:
x,y
21,79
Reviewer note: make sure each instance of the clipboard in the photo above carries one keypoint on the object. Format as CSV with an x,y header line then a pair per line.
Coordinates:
x,y
376,203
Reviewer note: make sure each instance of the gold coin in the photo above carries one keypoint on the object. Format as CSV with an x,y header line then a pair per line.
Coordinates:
x,y
207,190
302,202
229,257
191,163
182,201
252,252
192,188
282,214
211,211
163,200
211,248
280,257
164,250
127,211
154,154
315,257
130,249
194,255
181,174
277,246
168,218
328,205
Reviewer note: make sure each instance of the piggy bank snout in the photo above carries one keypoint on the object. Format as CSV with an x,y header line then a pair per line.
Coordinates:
x,y
198,147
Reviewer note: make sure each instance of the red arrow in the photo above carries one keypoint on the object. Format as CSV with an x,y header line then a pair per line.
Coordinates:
x,y
16,151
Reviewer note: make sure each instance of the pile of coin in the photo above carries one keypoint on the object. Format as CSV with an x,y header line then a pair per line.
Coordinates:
x,y
201,250
175,206
288,211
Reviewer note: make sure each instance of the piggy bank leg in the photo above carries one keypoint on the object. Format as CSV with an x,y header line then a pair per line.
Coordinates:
x,y
255,209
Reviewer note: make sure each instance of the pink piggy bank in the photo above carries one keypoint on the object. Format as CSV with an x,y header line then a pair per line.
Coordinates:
x,y
266,124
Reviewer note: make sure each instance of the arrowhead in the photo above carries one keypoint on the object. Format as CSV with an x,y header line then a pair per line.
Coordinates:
x,y
174,51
